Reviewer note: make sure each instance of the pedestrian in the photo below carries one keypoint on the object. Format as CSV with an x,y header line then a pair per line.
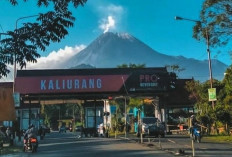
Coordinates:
x,y
41,132
8,132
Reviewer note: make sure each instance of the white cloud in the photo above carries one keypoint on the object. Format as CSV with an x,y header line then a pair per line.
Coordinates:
x,y
108,24
115,9
55,59
110,17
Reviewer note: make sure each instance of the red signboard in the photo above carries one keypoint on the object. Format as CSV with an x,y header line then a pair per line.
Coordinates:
x,y
69,84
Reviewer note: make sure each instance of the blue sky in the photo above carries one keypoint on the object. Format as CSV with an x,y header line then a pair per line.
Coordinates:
x,y
151,21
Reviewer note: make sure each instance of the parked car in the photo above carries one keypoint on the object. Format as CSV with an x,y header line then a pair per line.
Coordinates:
x,y
150,126
157,130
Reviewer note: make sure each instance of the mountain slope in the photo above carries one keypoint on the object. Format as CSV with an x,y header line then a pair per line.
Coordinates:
x,y
112,49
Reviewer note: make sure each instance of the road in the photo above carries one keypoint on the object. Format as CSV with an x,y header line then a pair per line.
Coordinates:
x,y
67,145
173,143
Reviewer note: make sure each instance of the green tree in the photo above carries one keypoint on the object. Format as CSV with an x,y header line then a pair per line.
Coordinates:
x,y
22,44
216,22
224,111
50,113
228,80
117,119
131,65
175,69
199,93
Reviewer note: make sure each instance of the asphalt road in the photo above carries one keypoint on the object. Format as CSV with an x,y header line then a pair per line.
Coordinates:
x,y
67,145
174,143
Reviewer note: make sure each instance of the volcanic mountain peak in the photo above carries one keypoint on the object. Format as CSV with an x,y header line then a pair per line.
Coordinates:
x,y
112,49
117,35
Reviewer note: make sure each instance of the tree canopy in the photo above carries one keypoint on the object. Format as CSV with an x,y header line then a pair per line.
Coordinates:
x,y
131,65
22,44
216,21
222,113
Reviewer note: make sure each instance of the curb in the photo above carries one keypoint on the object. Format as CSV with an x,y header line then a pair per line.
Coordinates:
x,y
179,152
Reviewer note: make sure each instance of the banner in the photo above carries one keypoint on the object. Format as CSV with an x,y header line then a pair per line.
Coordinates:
x,y
212,94
69,84
16,99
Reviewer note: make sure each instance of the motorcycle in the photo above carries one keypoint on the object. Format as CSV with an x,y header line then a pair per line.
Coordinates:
x,y
30,144
196,134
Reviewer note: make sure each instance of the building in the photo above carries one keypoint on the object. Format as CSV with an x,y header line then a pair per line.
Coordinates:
x,y
92,88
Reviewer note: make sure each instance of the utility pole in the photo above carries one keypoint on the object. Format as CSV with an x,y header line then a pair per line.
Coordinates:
x,y
125,118
207,49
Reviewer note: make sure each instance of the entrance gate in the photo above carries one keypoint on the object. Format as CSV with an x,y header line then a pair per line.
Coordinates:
x,y
92,84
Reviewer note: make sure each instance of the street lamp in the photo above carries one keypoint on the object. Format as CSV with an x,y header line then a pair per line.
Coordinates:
x,y
207,49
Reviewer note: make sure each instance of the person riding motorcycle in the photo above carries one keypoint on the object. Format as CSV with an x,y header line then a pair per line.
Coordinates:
x,y
31,132
194,124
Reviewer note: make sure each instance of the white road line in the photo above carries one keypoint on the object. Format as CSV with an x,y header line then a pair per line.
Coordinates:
x,y
188,146
171,141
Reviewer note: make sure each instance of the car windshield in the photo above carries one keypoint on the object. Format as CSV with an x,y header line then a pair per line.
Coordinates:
x,y
150,120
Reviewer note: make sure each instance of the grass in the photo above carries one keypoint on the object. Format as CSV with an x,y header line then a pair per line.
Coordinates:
x,y
217,138
10,150
120,133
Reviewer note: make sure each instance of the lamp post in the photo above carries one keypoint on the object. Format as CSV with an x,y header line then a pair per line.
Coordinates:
x,y
207,49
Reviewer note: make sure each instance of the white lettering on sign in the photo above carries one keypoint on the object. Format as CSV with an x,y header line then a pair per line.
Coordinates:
x,y
50,86
70,84
57,85
42,85
84,84
91,83
148,84
99,83
76,84
148,80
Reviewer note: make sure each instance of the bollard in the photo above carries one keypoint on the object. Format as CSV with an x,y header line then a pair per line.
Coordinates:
x,y
193,149
160,143
149,141
141,136
115,135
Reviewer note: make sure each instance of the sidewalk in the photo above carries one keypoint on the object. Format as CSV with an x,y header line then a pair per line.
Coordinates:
x,y
159,144
181,145
17,147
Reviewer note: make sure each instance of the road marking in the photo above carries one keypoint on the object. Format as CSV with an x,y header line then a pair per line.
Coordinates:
x,y
204,148
188,146
171,141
